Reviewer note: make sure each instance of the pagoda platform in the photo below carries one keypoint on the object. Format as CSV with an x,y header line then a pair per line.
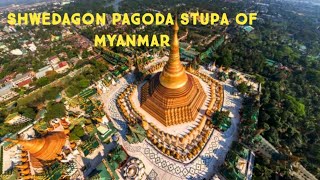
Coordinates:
x,y
179,130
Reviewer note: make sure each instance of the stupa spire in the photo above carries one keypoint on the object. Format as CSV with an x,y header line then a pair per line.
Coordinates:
x,y
173,75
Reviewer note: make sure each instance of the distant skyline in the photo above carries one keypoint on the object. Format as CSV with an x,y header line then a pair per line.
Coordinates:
x,y
10,2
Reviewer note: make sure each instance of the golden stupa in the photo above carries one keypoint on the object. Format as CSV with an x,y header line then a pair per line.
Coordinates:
x,y
173,96
46,148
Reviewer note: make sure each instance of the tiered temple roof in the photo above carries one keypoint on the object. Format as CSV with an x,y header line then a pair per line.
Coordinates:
x,y
46,148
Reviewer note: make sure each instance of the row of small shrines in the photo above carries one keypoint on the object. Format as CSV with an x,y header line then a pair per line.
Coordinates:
x,y
156,67
216,90
146,73
183,148
127,109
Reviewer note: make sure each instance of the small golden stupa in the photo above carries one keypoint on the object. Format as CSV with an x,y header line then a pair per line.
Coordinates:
x,y
173,96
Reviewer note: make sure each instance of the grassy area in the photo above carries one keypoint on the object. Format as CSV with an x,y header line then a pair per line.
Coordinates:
x,y
62,82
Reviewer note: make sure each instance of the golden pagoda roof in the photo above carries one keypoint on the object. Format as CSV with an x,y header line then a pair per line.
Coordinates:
x,y
173,75
46,148
172,106
173,97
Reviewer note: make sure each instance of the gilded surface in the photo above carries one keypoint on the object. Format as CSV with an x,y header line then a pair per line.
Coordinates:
x,y
173,96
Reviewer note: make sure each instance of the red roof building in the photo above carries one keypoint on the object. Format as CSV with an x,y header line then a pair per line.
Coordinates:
x,y
62,67
54,60
62,64
24,83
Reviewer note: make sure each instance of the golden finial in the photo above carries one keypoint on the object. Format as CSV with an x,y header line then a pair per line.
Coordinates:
x,y
173,75
175,25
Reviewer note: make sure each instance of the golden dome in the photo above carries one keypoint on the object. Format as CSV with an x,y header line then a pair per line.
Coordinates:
x,y
46,148
173,75
132,171
145,125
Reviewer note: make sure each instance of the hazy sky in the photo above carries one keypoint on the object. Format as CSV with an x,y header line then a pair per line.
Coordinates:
x,y
8,2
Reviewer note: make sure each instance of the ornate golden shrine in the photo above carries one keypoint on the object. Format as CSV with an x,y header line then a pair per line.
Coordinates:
x,y
46,148
173,96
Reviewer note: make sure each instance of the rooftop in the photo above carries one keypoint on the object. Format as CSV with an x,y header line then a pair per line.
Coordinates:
x,y
12,116
45,68
103,129
63,64
25,82
248,29
21,76
4,91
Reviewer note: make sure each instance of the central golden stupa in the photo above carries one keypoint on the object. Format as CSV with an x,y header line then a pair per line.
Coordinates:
x,y
173,96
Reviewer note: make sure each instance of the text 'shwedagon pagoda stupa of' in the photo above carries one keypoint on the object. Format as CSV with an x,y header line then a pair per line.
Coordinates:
x,y
173,96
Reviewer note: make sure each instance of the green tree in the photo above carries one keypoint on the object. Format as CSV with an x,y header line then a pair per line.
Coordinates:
x,y
221,119
84,83
243,88
55,110
76,133
313,77
259,78
52,93
293,104
72,91
42,82
27,112
225,58
85,54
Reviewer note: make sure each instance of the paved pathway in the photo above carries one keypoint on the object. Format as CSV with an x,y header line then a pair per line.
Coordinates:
x,y
109,99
